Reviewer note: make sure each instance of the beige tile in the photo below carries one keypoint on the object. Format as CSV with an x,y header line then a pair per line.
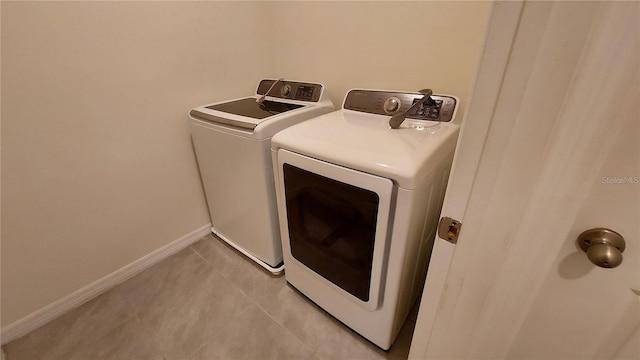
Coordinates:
x,y
252,279
184,302
217,252
254,335
126,341
66,333
344,343
177,272
209,301
296,313
283,303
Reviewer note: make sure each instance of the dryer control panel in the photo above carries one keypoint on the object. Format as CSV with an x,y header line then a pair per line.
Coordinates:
x,y
292,90
441,108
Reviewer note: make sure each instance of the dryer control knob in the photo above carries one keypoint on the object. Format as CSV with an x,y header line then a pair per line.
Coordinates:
x,y
285,90
392,105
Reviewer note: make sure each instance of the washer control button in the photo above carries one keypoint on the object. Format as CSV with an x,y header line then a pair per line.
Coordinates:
x,y
392,105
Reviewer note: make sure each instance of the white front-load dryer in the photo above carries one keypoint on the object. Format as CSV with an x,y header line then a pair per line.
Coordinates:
x,y
232,141
358,204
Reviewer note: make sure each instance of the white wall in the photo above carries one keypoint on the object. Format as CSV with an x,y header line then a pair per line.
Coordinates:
x,y
97,164
395,45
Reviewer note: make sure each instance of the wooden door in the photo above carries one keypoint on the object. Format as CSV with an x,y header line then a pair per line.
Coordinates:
x,y
549,148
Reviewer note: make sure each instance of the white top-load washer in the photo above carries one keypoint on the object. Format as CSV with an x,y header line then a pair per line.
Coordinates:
x,y
232,142
359,193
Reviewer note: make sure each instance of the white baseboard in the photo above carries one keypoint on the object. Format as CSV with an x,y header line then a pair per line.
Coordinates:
x,y
51,311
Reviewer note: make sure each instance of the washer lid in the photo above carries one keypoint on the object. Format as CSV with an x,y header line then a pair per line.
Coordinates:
x,y
365,142
248,113
250,108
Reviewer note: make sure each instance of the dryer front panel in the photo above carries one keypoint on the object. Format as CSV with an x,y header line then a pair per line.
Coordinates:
x,y
336,221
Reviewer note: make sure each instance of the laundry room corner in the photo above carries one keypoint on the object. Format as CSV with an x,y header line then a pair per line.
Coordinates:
x,y
98,169
393,45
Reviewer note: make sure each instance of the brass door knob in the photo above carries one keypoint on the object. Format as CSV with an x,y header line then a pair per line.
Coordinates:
x,y
604,247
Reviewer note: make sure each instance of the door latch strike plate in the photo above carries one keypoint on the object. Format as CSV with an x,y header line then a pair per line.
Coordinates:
x,y
449,229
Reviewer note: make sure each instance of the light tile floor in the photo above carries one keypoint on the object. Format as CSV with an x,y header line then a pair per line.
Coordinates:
x,y
205,302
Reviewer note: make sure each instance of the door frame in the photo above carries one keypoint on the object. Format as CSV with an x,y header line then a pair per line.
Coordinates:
x,y
501,30
476,291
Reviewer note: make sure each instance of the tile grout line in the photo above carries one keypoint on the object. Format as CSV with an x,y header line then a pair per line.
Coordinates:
x,y
315,352
223,275
142,323
255,302
117,323
145,326
209,263
216,333
312,351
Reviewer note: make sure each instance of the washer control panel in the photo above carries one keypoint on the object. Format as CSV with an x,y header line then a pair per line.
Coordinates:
x,y
292,90
441,108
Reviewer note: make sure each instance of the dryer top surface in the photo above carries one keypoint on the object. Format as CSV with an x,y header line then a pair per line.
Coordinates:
x,y
365,142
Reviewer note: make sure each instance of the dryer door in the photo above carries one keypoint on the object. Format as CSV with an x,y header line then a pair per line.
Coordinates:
x,y
337,222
